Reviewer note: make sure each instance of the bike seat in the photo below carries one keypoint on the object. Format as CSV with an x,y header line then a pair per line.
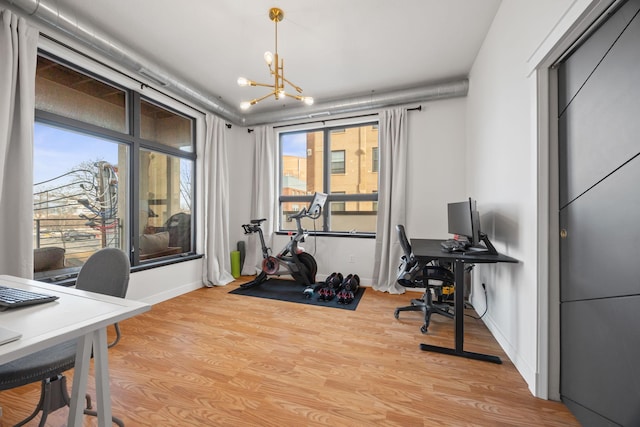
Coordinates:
x,y
258,221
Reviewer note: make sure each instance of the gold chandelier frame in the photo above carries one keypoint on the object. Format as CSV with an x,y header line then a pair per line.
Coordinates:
x,y
276,69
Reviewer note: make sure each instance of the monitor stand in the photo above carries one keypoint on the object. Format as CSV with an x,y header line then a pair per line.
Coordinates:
x,y
490,248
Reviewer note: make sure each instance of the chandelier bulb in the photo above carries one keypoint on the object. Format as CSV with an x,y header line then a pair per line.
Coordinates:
x,y
268,58
243,82
308,100
245,105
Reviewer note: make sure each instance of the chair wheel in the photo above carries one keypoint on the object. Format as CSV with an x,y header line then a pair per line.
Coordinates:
x,y
396,314
423,329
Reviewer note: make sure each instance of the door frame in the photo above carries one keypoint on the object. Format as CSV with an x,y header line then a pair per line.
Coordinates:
x,y
573,27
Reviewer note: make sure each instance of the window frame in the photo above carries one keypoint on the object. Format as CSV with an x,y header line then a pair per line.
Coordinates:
x,y
132,139
335,197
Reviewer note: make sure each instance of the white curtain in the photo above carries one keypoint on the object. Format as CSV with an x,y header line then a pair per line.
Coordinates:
x,y
18,54
392,131
263,196
217,256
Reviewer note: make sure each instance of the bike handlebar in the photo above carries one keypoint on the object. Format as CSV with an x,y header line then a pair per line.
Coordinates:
x,y
304,213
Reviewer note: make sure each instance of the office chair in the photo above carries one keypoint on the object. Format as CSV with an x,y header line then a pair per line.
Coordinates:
x,y
105,272
414,273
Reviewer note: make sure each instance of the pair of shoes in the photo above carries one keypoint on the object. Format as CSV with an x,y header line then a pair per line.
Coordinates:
x,y
348,289
330,287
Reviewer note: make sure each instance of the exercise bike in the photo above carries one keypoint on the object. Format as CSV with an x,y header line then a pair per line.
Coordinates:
x,y
292,259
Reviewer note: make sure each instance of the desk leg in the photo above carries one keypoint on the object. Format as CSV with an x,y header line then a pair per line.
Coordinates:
x,y
459,324
459,305
80,377
103,393
96,341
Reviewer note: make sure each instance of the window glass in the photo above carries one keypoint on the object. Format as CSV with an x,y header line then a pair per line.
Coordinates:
x,y
79,194
301,156
165,205
349,176
337,206
83,173
337,161
166,127
69,93
374,159
358,177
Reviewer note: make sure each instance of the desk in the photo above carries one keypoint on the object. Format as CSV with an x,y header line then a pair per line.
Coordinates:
x,y
429,250
76,314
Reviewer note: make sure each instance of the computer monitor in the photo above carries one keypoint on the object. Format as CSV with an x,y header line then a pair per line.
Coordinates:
x,y
315,208
460,219
464,220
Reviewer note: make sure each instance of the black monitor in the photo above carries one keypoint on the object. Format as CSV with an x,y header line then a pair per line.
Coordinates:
x,y
460,219
464,220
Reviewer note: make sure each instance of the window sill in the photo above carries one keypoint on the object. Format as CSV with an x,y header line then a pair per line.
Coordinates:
x,y
67,277
147,265
333,234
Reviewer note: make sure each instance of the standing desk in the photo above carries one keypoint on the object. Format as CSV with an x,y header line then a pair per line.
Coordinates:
x,y
76,314
428,250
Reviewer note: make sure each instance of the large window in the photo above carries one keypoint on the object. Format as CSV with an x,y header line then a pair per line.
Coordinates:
x,y
348,174
111,169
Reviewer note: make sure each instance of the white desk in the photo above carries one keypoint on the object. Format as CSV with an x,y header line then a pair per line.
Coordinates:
x,y
76,314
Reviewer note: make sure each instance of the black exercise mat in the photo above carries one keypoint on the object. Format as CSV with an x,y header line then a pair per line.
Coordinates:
x,y
288,290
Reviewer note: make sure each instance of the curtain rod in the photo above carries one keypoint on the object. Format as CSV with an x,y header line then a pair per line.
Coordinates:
x,y
418,108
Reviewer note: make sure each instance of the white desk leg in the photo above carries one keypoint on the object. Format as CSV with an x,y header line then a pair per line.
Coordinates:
x,y
80,376
103,393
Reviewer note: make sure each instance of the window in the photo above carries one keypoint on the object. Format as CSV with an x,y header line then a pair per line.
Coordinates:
x,y
345,175
80,192
337,161
337,206
107,177
374,159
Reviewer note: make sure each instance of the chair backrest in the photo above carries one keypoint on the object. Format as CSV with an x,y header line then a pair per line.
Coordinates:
x,y
410,270
404,242
105,272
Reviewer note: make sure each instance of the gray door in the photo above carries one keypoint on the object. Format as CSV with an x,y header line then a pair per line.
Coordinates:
x,y
599,143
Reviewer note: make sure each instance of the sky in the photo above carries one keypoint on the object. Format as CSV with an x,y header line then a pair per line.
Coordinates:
x,y
57,151
294,144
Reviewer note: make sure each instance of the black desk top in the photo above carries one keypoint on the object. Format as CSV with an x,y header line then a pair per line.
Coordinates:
x,y
430,248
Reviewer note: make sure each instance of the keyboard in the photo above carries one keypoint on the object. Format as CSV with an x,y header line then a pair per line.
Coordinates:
x,y
12,297
453,245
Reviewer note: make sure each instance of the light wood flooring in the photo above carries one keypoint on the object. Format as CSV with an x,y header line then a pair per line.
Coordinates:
x,y
210,358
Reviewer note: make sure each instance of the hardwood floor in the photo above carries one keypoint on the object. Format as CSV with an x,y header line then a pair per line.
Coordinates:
x,y
210,358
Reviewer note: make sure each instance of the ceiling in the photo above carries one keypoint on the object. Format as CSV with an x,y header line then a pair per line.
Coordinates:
x,y
332,49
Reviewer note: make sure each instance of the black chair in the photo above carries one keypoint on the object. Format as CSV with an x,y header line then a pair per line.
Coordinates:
x,y
414,273
105,272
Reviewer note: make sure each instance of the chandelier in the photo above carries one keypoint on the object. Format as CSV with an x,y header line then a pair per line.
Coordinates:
x,y
276,68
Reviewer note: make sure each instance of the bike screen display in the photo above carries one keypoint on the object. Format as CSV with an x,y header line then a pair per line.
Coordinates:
x,y
317,204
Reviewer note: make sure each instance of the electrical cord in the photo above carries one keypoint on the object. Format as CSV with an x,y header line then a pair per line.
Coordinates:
x,y
486,305
315,238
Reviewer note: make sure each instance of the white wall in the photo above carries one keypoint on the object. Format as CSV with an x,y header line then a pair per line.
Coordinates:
x,y
502,160
163,283
436,172
436,141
